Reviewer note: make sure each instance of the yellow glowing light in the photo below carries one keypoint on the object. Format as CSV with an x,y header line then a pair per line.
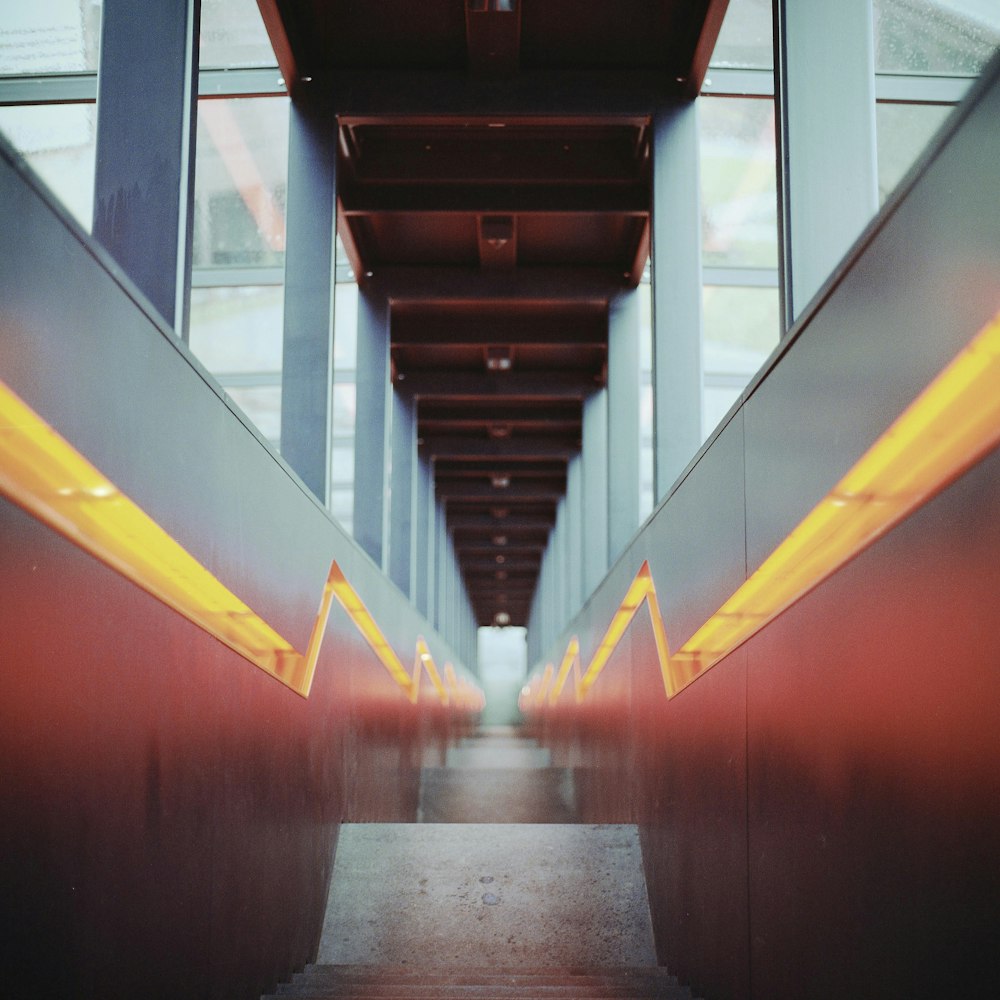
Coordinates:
x,y
543,688
45,475
950,426
570,660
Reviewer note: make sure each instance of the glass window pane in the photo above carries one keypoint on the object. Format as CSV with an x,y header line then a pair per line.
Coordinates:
x,y
715,403
902,132
740,331
233,35
645,293
345,332
49,36
739,200
241,172
57,140
262,404
740,327
342,463
938,37
645,446
237,330
343,409
745,39
342,507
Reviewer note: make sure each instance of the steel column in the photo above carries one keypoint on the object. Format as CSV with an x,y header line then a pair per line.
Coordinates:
x,y
310,258
372,422
595,489
623,421
574,536
825,94
676,288
423,536
403,492
144,176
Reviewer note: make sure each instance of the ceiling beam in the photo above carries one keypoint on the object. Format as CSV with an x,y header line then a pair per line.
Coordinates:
x,y
468,385
447,447
518,564
519,489
503,197
274,25
710,28
493,36
456,285
589,96
514,522
482,329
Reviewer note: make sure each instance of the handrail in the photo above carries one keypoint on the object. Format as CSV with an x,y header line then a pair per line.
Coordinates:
x,y
45,475
950,426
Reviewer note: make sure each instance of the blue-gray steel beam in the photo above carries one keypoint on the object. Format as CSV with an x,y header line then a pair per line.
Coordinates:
x,y
372,422
828,184
402,492
310,260
595,489
441,564
562,564
574,533
623,421
423,537
676,290
144,174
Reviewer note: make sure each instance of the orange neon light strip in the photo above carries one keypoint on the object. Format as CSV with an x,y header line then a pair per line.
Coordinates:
x,y
41,472
45,475
950,426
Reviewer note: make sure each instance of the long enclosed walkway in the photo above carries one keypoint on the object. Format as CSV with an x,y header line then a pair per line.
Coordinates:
x,y
501,894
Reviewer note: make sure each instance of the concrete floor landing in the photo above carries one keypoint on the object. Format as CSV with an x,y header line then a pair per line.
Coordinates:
x,y
497,895
497,776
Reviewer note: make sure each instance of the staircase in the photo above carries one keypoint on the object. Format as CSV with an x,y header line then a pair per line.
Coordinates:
x,y
499,892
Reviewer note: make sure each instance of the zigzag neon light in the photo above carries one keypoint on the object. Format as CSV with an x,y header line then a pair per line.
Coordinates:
x,y
950,426
41,472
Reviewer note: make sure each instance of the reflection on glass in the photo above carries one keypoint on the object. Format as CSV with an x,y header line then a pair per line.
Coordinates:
x,y
902,132
739,201
49,36
233,35
241,172
937,37
57,140
745,39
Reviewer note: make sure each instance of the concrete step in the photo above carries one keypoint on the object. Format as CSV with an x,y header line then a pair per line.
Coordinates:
x,y
331,982
437,896
509,795
471,975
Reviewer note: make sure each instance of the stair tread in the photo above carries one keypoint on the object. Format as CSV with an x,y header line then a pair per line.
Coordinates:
x,y
500,895
360,982
425,973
